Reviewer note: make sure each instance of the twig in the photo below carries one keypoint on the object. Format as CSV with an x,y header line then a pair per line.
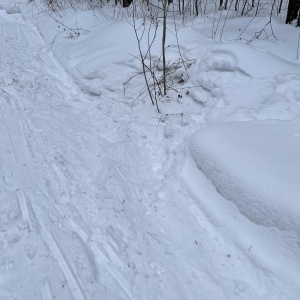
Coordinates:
x,y
179,50
141,54
153,235
164,117
298,46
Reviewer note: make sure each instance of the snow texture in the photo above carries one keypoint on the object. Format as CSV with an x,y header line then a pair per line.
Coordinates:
x,y
256,165
102,197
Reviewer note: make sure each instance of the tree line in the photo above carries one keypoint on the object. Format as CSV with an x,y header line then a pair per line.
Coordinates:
x,y
245,6
199,7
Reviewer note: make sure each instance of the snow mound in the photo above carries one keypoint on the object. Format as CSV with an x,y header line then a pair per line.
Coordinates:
x,y
222,60
256,165
266,63
230,57
230,87
10,8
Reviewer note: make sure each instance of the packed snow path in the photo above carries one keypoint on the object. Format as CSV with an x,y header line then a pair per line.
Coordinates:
x,y
43,234
92,201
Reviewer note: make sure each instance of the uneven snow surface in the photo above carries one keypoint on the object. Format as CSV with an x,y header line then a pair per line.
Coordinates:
x,y
263,183
103,198
257,166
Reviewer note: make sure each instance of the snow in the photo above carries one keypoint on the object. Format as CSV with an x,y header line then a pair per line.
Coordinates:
x,y
101,196
256,165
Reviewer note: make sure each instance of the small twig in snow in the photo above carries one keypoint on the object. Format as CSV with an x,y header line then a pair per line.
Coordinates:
x,y
153,235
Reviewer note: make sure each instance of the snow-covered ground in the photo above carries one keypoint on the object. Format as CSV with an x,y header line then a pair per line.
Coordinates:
x,y
103,198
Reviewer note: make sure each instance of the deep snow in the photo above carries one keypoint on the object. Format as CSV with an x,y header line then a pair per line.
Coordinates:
x,y
102,197
256,165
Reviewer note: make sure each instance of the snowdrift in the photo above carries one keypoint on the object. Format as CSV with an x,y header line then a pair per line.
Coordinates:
x,y
256,165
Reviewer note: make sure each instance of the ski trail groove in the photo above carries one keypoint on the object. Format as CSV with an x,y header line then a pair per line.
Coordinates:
x,y
101,259
23,206
15,136
45,292
110,265
31,166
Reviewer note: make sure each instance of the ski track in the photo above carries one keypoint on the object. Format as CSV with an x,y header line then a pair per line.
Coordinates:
x,y
31,169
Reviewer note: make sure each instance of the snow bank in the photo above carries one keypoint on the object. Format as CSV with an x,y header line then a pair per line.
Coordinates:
x,y
238,82
99,54
10,7
240,57
256,165
91,52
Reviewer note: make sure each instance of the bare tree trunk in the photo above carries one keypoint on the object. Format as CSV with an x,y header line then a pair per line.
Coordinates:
x,y
165,10
226,4
293,11
126,3
257,8
243,10
280,6
236,5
